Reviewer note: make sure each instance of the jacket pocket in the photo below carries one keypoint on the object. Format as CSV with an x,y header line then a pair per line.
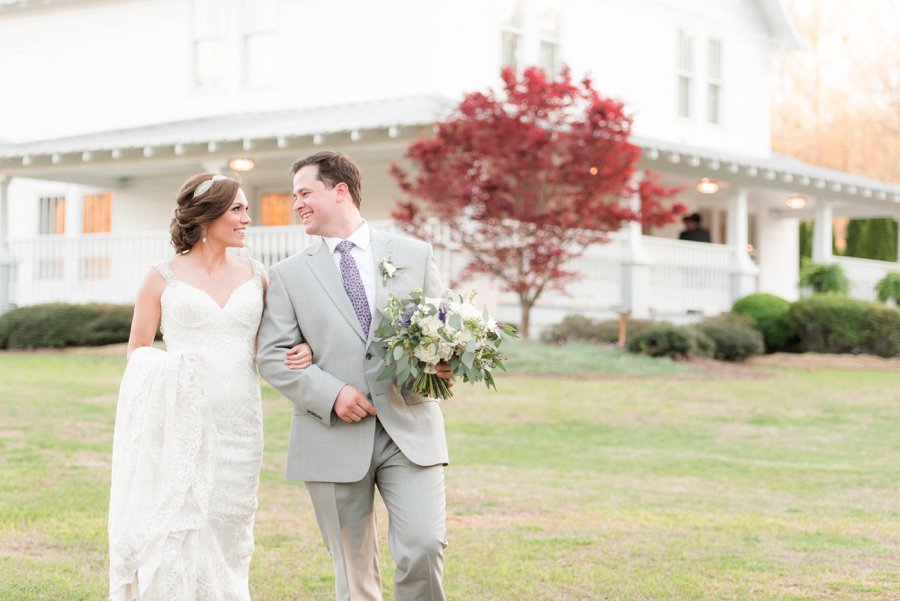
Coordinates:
x,y
412,398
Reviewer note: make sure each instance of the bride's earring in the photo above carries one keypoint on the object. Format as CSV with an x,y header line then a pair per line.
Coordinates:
x,y
204,235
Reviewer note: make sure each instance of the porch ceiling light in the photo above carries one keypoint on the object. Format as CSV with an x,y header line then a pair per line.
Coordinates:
x,y
796,201
707,186
241,165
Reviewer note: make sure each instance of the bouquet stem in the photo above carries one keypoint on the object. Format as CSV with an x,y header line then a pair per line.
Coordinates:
x,y
431,385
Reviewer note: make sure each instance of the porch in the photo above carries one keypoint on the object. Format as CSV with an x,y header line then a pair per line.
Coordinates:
x,y
654,277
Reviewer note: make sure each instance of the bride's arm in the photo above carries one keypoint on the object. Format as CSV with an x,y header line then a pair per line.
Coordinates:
x,y
299,356
145,321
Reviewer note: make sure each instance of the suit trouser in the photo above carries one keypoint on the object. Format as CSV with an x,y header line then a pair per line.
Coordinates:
x,y
414,497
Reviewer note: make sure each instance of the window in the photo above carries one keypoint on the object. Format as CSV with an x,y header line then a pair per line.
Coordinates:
x,y
259,20
685,73
97,211
513,30
52,218
209,44
548,19
714,81
276,209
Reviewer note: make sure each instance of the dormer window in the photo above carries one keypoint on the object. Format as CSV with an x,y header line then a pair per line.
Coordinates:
x,y
714,81
685,74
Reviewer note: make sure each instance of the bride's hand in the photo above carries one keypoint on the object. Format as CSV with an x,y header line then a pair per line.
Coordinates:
x,y
299,357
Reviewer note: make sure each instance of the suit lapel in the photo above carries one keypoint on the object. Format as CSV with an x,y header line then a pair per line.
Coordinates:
x,y
329,277
382,248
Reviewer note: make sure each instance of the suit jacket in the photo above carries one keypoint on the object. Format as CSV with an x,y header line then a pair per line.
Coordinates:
x,y
306,302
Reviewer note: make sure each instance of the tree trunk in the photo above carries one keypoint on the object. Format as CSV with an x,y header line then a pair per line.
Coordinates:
x,y
525,305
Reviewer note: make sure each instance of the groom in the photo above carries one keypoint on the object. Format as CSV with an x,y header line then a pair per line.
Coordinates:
x,y
350,432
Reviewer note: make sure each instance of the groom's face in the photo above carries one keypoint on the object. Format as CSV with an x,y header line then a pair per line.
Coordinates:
x,y
314,202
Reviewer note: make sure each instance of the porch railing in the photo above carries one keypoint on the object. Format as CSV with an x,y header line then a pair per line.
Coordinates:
x,y
684,277
864,274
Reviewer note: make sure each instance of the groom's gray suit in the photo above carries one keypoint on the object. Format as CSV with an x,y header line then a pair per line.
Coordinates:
x,y
402,450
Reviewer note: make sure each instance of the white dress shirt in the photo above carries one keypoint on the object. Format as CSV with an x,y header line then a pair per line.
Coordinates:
x,y
362,254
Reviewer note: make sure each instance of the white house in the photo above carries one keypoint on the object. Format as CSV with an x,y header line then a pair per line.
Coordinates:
x,y
108,105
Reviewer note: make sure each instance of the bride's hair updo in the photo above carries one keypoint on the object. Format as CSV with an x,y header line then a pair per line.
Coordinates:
x,y
201,200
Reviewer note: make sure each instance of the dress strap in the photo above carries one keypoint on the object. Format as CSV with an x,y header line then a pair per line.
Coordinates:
x,y
258,269
166,272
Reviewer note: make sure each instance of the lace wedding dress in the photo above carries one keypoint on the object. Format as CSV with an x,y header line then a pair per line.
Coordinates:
x,y
187,451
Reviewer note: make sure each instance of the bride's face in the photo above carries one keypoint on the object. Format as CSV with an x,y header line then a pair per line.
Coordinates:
x,y
230,229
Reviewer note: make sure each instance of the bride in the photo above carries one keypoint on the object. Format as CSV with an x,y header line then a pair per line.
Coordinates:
x,y
188,439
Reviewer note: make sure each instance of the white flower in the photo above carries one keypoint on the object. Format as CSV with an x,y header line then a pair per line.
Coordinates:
x,y
466,311
387,270
428,353
431,326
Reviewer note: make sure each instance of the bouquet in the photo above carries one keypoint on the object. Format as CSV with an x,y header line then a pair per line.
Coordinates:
x,y
420,332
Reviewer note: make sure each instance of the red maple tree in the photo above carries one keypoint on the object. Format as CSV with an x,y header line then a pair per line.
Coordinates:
x,y
526,180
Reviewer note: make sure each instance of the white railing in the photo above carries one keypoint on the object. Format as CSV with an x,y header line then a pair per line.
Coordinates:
x,y
85,268
864,274
684,277
690,277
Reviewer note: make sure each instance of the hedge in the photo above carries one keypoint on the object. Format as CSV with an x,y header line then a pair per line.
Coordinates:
x,y
677,342
833,324
62,325
734,336
770,315
580,328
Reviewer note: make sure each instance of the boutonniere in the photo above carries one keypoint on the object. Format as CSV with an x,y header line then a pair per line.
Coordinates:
x,y
388,270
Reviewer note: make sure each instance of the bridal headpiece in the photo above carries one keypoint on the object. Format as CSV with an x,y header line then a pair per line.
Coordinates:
x,y
204,186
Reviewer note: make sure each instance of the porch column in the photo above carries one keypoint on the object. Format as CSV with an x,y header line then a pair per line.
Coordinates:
x,y
74,247
744,271
897,219
635,267
5,259
822,232
74,209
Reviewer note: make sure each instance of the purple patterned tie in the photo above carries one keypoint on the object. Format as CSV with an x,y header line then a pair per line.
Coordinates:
x,y
354,286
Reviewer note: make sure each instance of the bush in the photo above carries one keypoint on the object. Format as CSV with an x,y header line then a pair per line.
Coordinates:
x,y
828,324
770,315
112,325
579,327
824,279
734,336
888,288
671,341
59,325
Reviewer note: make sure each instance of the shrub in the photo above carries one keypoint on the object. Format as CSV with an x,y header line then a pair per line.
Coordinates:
x,y
882,325
734,336
888,288
671,341
828,324
59,325
824,279
572,327
770,315
579,327
112,325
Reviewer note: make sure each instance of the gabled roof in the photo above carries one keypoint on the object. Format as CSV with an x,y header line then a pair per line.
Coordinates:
x,y
275,130
380,114
781,25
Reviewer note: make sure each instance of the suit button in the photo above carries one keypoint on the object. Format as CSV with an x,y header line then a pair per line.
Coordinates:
x,y
369,396
368,356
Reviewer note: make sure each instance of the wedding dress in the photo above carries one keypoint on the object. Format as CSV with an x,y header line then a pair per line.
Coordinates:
x,y
187,451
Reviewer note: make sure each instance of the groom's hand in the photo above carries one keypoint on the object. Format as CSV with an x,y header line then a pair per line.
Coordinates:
x,y
443,371
352,405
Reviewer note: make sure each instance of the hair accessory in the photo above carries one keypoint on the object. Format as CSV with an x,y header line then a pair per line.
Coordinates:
x,y
204,186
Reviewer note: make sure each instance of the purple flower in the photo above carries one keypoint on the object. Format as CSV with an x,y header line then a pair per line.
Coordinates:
x,y
406,315
444,309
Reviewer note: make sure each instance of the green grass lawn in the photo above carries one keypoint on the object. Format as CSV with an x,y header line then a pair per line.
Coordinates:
x,y
665,484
